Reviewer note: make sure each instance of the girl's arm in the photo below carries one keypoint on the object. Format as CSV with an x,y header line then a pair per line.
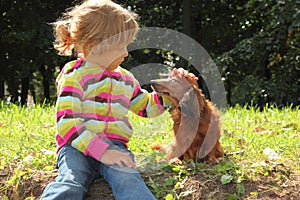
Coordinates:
x,y
150,104
146,104
71,128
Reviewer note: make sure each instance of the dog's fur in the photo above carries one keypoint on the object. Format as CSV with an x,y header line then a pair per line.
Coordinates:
x,y
196,121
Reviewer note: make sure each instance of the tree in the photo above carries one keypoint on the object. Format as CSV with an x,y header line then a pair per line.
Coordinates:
x,y
264,68
28,39
255,44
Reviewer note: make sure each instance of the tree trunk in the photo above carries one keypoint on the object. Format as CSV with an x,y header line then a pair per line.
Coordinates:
x,y
46,86
187,26
24,90
13,87
187,17
2,90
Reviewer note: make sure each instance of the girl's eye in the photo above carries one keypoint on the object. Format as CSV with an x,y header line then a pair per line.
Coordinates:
x,y
122,48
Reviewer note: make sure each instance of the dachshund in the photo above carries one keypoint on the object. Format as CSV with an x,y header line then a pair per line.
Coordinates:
x,y
196,121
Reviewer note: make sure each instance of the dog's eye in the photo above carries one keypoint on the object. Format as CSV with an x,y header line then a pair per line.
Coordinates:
x,y
174,80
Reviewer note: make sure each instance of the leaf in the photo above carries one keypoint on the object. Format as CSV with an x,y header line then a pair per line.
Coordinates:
x,y
290,126
226,178
241,142
169,197
186,193
271,154
169,181
259,129
240,189
49,168
232,197
272,133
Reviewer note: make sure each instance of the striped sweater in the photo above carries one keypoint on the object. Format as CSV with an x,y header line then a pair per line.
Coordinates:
x,y
92,106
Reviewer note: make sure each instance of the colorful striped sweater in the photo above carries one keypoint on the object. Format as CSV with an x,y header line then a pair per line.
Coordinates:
x,y
92,106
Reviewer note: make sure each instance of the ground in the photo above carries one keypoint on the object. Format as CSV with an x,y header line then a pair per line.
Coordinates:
x,y
195,183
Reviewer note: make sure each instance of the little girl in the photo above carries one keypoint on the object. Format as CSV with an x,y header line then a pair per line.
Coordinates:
x,y
94,97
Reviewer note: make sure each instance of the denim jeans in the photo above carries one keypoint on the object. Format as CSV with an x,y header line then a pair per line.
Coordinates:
x,y
76,172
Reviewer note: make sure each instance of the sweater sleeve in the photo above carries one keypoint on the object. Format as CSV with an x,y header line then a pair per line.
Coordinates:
x,y
147,104
69,121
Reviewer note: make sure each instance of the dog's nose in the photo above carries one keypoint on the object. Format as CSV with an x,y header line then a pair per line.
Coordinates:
x,y
152,82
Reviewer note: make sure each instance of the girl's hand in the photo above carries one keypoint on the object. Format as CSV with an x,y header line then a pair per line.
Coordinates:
x,y
182,72
114,157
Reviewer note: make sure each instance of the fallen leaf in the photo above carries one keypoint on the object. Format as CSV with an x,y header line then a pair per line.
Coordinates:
x,y
259,129
226,178
47,152
291,126
241,142
271,154
228,132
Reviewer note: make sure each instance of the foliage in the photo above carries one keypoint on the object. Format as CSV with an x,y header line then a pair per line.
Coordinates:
x,y
255,44
28,39
257,68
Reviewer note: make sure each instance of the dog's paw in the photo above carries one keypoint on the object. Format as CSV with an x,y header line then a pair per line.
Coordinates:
x,y
175,161
213,160
158,147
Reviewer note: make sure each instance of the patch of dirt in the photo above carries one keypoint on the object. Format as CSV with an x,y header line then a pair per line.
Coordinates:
x,y
22,188
200,185
99,190
264,189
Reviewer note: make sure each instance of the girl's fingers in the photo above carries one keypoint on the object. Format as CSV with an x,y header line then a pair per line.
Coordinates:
x,y
127,160
119,163
193,76
183,72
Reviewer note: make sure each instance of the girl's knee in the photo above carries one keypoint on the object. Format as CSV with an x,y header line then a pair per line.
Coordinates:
x,y
77,178
63,190
129,178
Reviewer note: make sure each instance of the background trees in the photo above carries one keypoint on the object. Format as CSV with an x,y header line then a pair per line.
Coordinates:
x,y
28,60
254,43
264,67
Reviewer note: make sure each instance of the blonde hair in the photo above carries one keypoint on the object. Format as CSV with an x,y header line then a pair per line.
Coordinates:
x,y
94,22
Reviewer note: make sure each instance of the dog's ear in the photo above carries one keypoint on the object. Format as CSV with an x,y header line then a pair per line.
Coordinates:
x,y
189,104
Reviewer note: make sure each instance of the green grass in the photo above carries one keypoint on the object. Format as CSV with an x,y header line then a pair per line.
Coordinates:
x,y
252,132
27,146
246,132
26,133
258,145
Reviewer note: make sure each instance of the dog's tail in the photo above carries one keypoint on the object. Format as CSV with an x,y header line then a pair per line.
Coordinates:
x,y
158,147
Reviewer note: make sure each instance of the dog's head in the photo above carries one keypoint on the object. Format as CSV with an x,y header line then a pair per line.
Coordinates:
x,y
183,91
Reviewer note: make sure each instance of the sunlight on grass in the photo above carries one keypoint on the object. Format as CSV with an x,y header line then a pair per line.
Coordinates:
x,y
25,134
251,132
256,143
27,144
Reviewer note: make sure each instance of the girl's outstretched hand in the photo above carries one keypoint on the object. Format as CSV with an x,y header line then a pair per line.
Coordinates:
x,y
114,157
182,72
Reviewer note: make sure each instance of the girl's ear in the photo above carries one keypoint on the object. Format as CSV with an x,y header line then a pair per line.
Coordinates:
x,y
189,104
88,48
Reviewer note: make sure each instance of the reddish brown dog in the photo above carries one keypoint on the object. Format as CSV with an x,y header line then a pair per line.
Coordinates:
x,y
196,121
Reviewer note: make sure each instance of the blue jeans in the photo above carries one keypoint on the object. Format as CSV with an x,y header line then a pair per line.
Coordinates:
x,y
76,172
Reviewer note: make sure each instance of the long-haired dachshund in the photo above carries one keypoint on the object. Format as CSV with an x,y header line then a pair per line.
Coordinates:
x,y
196,121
